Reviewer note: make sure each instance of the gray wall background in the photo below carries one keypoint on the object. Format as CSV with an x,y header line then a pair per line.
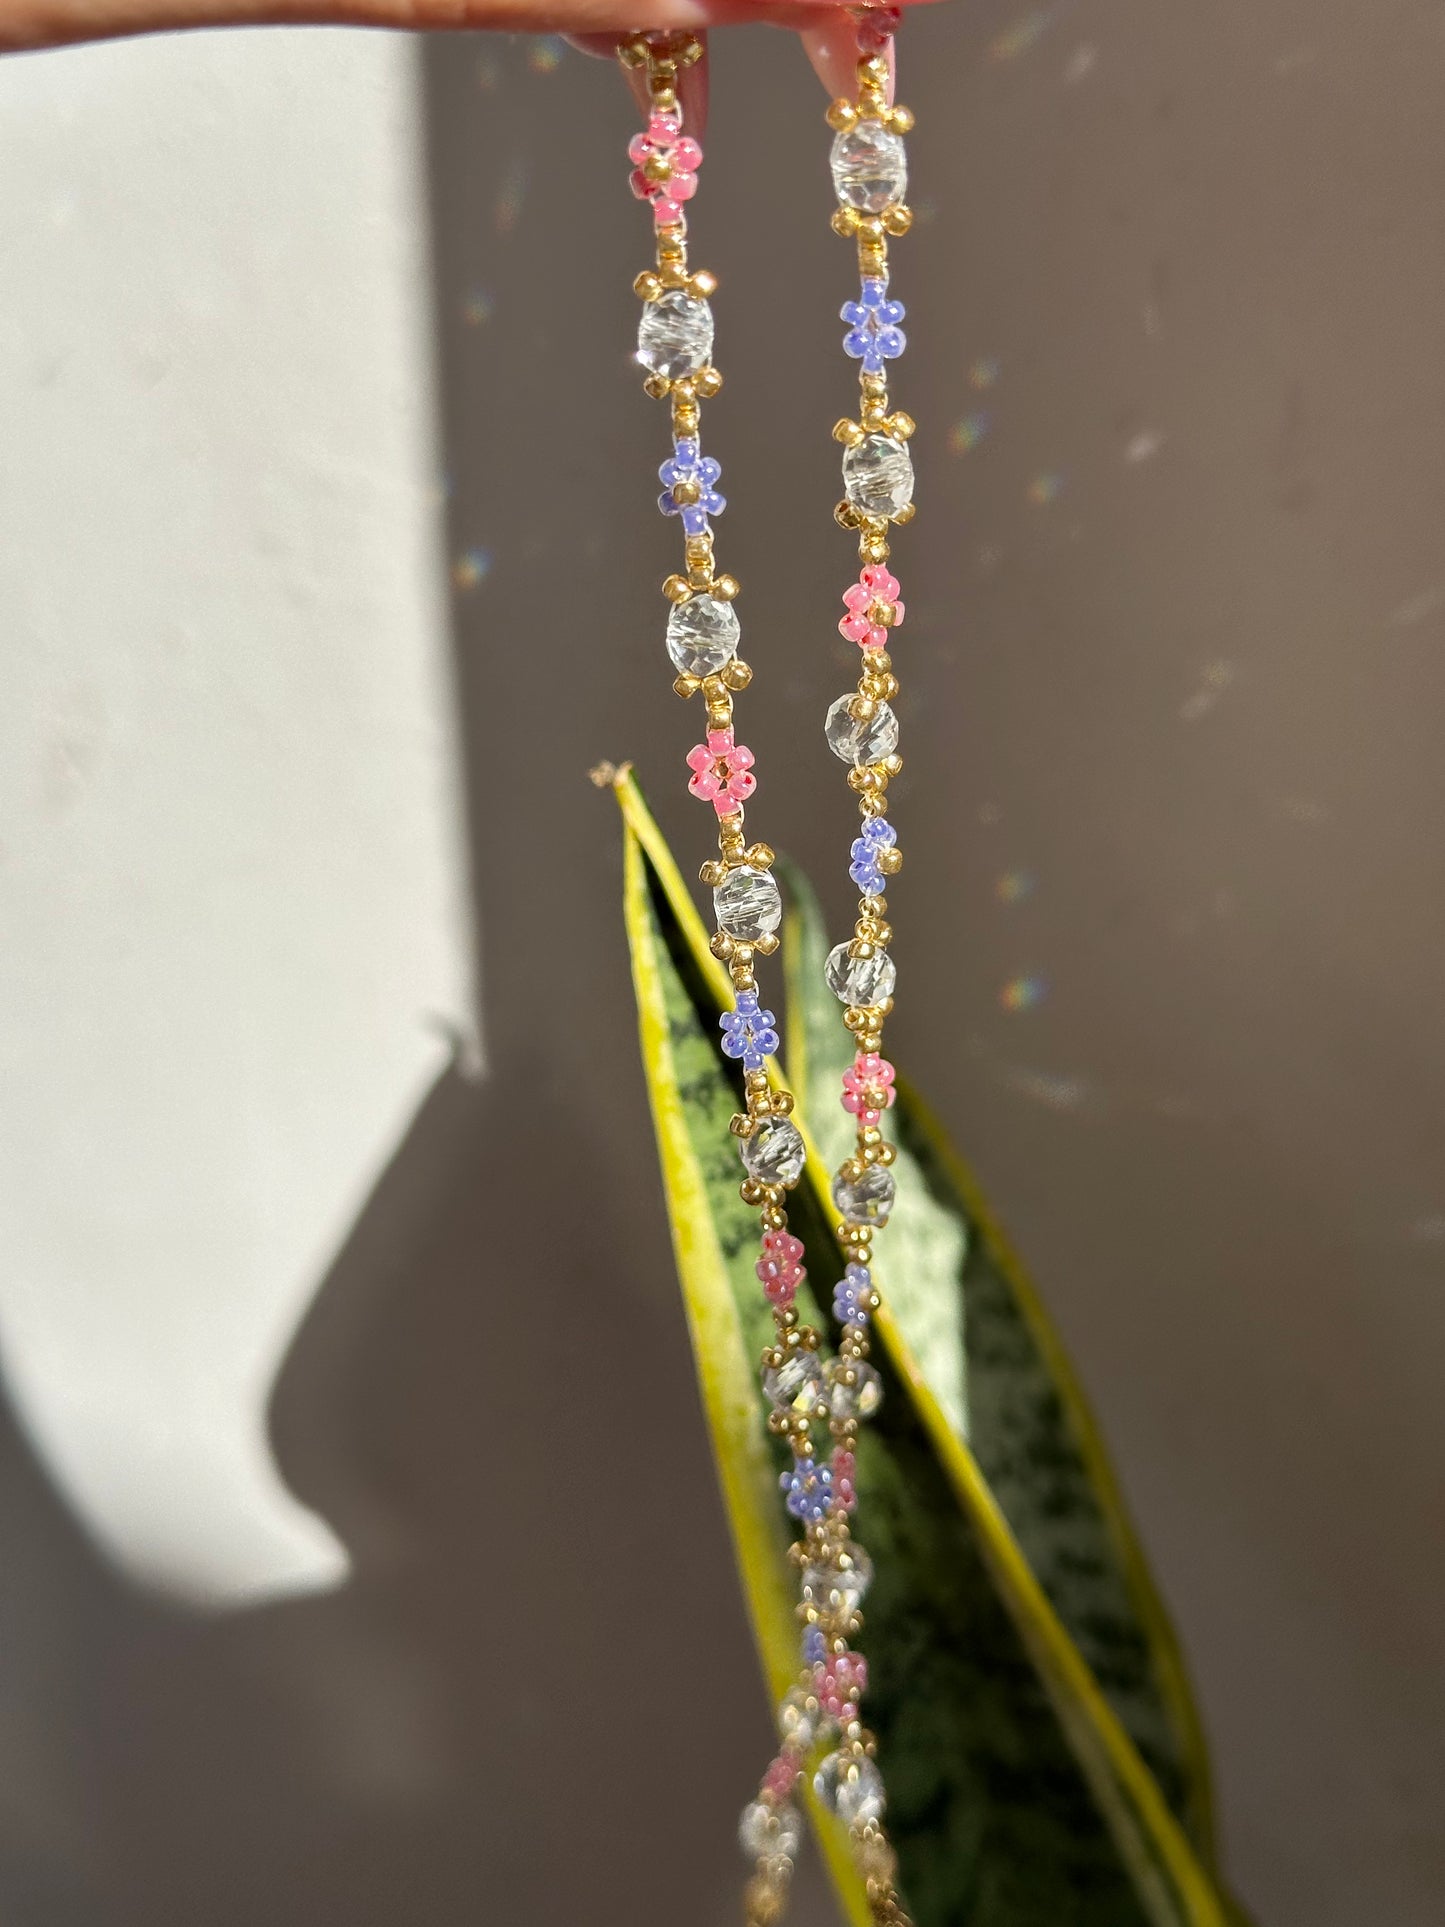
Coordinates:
x,y
1173,656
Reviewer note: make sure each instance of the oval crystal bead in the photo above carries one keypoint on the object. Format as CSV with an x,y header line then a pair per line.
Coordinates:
x,y
878,474
840,1588
859,1394
862,982
851,1788
766,1831
870,167
747,904
674,336
797,1384
861,742
798,1718
865,1200
774,1153
702,635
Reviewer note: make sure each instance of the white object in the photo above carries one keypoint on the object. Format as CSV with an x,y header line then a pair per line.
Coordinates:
x,y
232,927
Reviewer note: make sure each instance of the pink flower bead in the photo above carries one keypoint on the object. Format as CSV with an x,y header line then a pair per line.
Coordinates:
x,y
840,1683
722,772
844,1464
780,1268
781,1777
875,593
868,1087
665,141
783,1245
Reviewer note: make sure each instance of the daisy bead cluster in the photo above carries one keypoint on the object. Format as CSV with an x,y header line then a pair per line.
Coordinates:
x,y
806,1389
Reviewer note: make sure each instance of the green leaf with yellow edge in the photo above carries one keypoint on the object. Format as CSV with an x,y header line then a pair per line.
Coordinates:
x,y
1017,1796
974,1322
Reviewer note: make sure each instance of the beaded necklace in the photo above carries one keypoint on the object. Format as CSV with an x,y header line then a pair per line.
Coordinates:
x,y
805,1386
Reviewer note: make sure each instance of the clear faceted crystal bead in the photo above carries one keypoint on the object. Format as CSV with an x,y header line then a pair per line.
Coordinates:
x,y
870,167
702,635
861,742
860,981
851,1788
798,1719
878,474
862,1398
766,1831
797,1384
840,1588
865,1200
747,904
674,336
775,1152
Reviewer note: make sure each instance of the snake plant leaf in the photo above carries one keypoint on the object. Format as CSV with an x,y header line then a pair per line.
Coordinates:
x,y
1018,1794
974,1322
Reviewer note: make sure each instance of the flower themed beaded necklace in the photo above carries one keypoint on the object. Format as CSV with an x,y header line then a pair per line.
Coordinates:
x,y
805,1385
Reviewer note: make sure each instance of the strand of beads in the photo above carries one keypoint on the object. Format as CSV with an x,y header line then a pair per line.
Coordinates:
x,y
835,1571
870,176
675,340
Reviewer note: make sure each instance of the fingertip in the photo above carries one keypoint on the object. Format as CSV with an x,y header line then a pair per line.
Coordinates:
x,y
692,93
832,47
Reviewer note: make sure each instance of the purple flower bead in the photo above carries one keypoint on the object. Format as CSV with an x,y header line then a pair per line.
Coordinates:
x,y
874,335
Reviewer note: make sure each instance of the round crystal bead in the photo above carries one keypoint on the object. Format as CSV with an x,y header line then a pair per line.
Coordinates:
x,y
674,336
775,1152
862,1397
865,1200
862,982
878,474
748,904
851,1788
840,1588
766,1831
702,635
796,1384
861,742
870,167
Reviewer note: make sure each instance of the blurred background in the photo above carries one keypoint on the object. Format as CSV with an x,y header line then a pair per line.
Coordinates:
x,y
362,1557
